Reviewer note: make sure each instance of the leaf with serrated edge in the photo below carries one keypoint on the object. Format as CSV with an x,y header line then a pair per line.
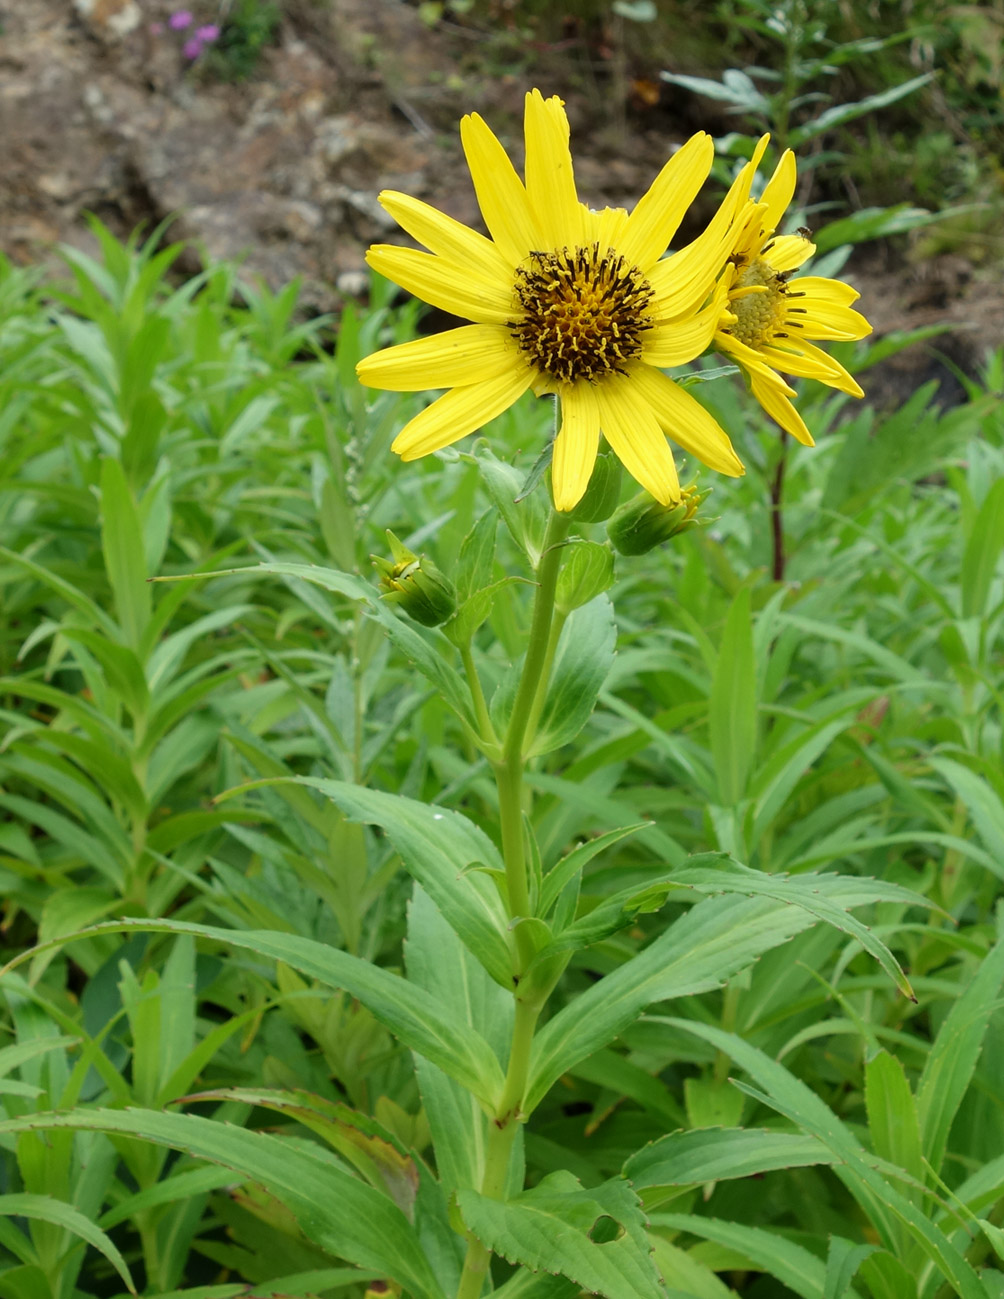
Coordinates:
x,y
549,1229
45,1208
436,846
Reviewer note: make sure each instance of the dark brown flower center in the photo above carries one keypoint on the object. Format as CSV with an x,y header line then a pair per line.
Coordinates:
x,y
584,313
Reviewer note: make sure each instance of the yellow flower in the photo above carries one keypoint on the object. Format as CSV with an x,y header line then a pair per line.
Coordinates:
x,y
773,318
567,301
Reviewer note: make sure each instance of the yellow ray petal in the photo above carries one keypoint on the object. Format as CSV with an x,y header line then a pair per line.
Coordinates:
x,y
442,235
773,397
685,420
822,319
550,183
788,252
445,284
778,191
576,445
679,341
810,362
501,196
637,440
743,355
606,227
682,281
452,359
657,216
461,411
744,181
825,290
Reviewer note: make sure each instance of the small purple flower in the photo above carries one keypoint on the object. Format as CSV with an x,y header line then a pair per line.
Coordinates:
x,y
207,34
179,21
192,49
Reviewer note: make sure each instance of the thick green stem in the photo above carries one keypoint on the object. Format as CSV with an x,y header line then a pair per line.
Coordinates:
x,y
505,1122
541,696
509,770
501,1135
540,633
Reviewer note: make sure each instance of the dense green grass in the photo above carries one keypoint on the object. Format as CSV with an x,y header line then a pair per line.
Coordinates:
x,y
846,718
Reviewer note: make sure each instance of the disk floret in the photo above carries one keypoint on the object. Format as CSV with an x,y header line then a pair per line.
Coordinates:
x,y
584,312
757,300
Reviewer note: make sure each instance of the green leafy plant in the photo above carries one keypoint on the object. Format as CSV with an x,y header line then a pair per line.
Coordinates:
x,y
505,952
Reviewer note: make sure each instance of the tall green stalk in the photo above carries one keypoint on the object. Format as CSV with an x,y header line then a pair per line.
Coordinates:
x,y
504,1123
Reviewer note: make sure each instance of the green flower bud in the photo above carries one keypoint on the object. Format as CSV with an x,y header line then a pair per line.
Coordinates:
x,y
414,582
602,494
642,523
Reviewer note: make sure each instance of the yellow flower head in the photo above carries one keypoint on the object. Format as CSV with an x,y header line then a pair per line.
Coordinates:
x,y
772,318
567,301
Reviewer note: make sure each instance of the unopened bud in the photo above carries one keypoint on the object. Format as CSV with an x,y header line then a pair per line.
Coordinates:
x,y
414,582
642,523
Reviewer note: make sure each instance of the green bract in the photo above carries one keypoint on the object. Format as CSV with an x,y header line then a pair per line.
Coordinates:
x,y
641,524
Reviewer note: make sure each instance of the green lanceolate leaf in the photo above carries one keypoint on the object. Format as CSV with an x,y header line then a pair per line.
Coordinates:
x,y
884,1203
733,704
702,949
560,874
125,562
372,1150
335,1209
952,1059
767,1251
443,969
892,1114
527,520
825,897
428,650
982,802
583,658
402,1008
553,1228
587,570
477,556
983,548
437,846
719,1154
715,940
44,1208
842,1261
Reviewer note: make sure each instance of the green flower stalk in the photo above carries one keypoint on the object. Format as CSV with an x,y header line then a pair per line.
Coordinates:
x,y
414,582
642,523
